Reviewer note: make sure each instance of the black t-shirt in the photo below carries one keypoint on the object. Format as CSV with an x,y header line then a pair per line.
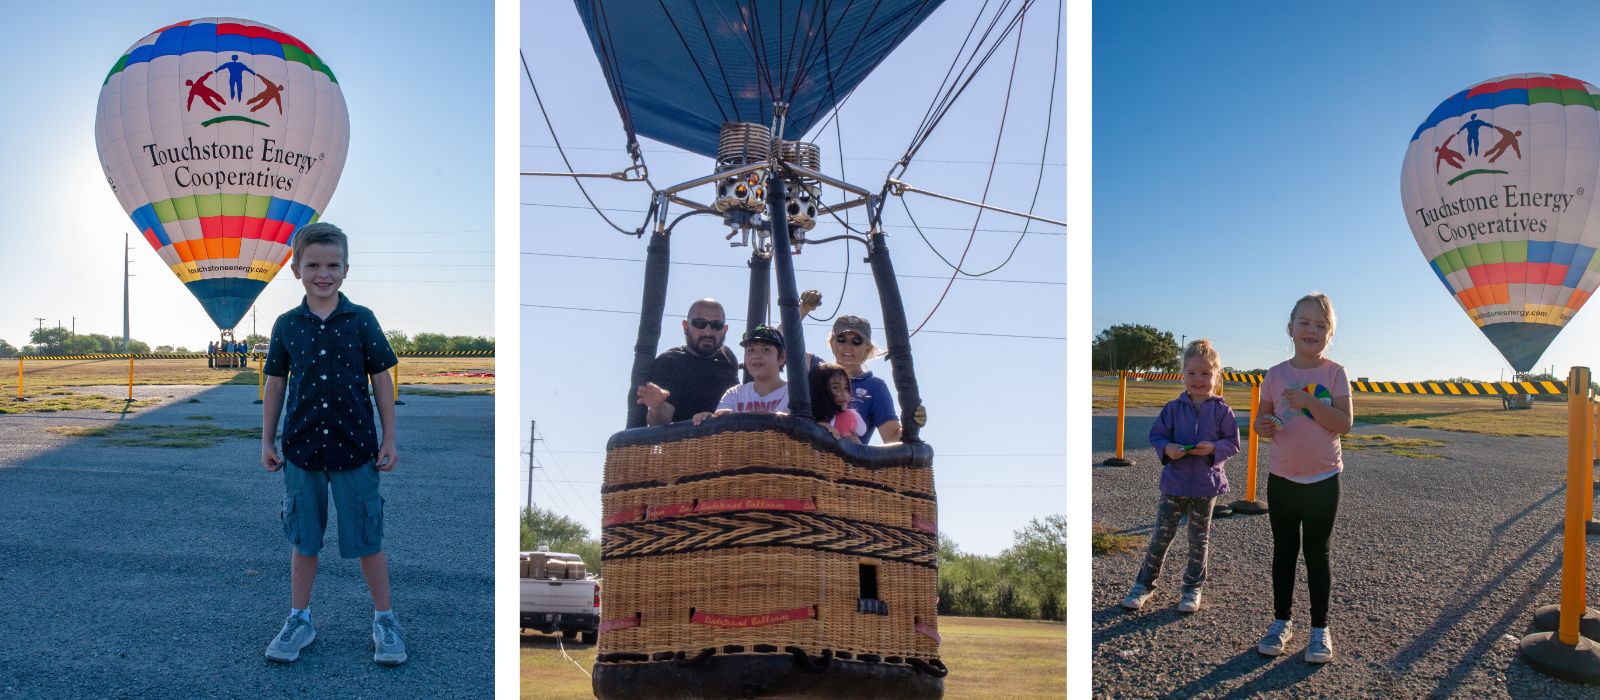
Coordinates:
x,y
327,422
695,382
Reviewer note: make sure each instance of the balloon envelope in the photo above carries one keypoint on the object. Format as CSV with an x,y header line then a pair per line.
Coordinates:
x,y
1498,186
679,69
221,137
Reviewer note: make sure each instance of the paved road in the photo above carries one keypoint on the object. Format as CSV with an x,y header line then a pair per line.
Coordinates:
x,y
144,571
1438,565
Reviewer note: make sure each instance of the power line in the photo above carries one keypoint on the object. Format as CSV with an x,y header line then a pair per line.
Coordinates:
x,y
822,272
671,315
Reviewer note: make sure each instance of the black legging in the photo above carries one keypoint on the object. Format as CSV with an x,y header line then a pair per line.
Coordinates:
x,y
1292,506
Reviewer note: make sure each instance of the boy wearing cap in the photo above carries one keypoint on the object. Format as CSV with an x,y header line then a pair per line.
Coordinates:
x,y
323,354
766,392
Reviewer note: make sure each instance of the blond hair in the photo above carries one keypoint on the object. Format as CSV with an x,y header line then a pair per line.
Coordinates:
x,y
1202,349
1322,301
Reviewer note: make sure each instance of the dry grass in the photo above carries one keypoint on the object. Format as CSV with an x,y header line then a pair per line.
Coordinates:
x,y
58,400
1415,448
988,658
1108,541
1463,414
43,375
171,436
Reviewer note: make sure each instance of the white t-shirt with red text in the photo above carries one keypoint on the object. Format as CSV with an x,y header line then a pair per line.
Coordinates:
x,y
744,399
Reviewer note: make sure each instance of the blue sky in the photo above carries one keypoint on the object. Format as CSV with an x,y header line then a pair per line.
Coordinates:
x,y
1244,157
997,410
415,195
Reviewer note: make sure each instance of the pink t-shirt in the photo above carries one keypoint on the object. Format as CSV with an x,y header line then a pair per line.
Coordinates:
x,y
1303,450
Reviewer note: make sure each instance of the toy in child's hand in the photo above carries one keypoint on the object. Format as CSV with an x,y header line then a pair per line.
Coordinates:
x,y
1320,393
1187,448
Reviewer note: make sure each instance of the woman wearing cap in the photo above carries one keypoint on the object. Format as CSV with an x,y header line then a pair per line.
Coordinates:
x,y
852,346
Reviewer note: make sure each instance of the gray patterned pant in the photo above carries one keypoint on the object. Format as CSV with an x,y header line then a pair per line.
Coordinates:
x,y
1171,510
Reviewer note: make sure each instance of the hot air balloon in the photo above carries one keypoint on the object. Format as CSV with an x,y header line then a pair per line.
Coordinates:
x,y
756,554
1498,186
221,137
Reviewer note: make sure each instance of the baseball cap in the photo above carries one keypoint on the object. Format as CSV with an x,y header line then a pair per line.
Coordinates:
x,y
854,324
763,334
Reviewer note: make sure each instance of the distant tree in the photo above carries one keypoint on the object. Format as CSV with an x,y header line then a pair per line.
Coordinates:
x,y
47,341
461,343
398,341
547,528
137,346
164,349
1136,348
255,339
1037,564
430,342
181,348
7,349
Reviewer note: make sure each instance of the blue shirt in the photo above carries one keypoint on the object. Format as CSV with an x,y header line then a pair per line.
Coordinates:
x,y
328,414
869,396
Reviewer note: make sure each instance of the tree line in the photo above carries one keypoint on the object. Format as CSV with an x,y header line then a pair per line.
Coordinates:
x,y
61,341
1028,580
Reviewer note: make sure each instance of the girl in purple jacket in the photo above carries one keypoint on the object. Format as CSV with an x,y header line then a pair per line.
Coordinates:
x,y
1194,435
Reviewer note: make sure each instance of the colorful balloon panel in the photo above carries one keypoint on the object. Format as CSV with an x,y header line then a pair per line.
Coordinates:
x,y
1498,185
221,137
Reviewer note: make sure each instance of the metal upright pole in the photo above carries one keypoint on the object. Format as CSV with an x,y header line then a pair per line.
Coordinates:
x,y
532,432
760,292
895,328
125,260
657,258
788,300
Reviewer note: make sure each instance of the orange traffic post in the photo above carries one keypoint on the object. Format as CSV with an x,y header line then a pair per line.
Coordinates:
x,y
395,373
1566,653
1250,505
20,360
130,378
1122,417
261,380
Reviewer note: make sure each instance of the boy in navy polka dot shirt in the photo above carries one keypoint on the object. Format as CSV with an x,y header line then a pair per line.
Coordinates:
x,y
322,355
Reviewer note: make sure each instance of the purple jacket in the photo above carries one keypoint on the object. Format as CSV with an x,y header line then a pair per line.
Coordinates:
x,y
1181,422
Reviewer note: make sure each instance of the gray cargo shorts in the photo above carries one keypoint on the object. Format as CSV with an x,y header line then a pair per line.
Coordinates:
x,y
355,498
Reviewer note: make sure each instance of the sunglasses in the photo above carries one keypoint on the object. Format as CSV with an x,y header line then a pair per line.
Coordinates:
x,y
851,339
702,323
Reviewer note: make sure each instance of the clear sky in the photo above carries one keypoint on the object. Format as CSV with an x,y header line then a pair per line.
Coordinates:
x,y
1246,156
415,195
995,404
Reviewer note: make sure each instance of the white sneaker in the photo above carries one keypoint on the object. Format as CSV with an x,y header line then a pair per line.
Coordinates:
x,y
1278,635
297,632
1190,602
1320,649
1137,597
388,648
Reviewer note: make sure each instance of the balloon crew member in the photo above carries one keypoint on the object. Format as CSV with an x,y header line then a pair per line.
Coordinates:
x,y
323,353
766,392
1305,407
830,402
1194,436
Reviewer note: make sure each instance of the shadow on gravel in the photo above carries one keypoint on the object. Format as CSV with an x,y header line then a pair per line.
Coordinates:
x,y
1132,621
162,572
1242,664
1502,527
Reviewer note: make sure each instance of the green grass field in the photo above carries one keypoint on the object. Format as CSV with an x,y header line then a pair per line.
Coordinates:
x,y
988,658
1463,414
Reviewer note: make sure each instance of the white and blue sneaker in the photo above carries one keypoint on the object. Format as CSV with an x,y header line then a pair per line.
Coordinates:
x,y
389,648
297,632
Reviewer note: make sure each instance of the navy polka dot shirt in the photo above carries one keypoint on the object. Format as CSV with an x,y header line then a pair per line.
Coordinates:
x,y
328,414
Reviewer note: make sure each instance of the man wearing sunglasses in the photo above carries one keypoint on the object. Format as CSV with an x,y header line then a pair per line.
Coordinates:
x,y
691,378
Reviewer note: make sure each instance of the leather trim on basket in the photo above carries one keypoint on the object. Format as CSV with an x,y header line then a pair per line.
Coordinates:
x,y
746,621
732,530
918,455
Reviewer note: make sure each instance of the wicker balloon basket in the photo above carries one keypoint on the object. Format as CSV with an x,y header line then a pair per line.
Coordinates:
x,y
757,556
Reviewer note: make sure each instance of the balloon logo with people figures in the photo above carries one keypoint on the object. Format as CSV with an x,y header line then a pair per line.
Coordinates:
x,y
221,138
1497,187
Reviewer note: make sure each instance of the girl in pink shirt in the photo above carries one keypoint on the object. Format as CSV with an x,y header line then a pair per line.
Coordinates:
x,y
1305,407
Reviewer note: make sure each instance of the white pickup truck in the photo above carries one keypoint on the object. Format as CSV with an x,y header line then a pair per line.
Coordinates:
x,y
558,594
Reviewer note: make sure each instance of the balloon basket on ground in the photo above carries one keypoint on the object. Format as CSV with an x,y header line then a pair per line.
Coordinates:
x,y
756,555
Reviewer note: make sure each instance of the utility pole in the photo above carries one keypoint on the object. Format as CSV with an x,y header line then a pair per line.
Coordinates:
x,y
252,319
125,261
40,319
532,438
74,325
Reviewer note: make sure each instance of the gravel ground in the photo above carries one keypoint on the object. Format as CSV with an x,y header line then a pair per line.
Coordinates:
x,y
1438,565
143,571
